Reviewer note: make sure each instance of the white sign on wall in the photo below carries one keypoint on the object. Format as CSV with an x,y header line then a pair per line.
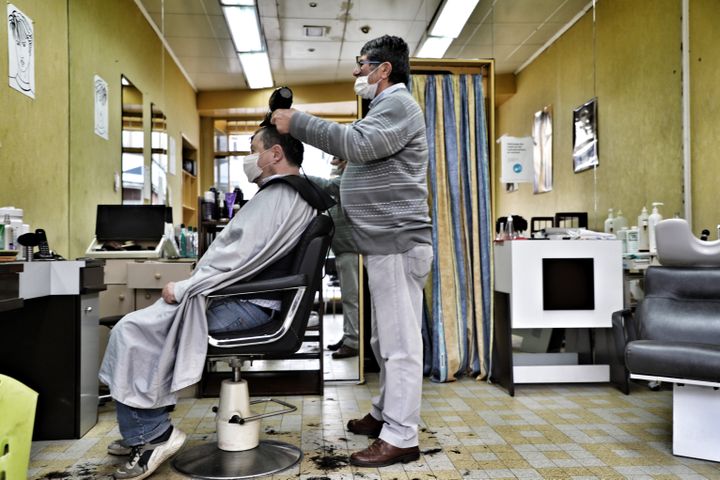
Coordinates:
x,y
101,107
517,159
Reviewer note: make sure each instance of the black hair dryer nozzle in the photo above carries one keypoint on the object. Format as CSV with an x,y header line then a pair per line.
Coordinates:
x,y
282,97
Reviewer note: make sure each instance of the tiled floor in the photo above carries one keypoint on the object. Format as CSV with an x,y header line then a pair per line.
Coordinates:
x,y
469,430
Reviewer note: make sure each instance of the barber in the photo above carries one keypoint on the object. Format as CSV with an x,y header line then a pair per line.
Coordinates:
x,y
384,195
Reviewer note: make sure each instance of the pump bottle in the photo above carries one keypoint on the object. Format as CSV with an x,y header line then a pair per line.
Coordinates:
x,y
653,220
643,241
609,221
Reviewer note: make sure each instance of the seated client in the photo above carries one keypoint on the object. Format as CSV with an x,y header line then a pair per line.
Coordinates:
x,y
156,351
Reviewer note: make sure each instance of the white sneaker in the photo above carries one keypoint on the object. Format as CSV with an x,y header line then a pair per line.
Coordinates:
x,y
118,447
145,459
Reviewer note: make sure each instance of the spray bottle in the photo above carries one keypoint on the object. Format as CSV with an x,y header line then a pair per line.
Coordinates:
x,y
609,221
653,220
643,241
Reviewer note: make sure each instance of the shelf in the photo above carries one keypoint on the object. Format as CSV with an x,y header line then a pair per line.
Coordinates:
x,y
191,209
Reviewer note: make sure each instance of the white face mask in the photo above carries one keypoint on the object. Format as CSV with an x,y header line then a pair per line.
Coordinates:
x,y
364,88
250,166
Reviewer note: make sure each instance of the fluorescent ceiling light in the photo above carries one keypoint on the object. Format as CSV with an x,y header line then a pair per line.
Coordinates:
x,y
244,28
452,17
434,47
250,3
256,67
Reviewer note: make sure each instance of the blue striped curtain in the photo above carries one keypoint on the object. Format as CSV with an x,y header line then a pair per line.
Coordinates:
x,y
457,330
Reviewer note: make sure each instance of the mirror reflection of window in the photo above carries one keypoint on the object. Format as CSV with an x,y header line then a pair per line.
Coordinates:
x,y
133,140
159,157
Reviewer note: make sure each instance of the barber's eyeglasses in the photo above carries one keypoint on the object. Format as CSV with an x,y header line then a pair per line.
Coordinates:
x,y
360,62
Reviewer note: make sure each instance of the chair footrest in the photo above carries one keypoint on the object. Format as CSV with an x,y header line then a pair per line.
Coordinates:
x,y
207,461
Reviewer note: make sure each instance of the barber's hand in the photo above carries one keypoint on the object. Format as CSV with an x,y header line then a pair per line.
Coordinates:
x,y
168,293
281,119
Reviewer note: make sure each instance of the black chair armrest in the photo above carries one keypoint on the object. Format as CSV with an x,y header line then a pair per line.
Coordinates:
x,y
261,286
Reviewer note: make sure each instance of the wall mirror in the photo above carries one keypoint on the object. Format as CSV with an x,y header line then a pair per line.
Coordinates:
x,y
133,141
158,157
341,295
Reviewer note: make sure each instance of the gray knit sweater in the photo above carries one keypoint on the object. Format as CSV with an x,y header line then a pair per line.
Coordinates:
x,y
384,187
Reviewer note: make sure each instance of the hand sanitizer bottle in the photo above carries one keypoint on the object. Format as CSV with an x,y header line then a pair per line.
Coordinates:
x,y
653,220
609,222
619,221
643,232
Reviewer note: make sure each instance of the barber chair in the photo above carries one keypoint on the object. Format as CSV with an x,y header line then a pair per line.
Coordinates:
x,y
238,452
674,336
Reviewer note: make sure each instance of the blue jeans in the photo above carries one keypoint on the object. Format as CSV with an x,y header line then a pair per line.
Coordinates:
x,y
142,425
231,315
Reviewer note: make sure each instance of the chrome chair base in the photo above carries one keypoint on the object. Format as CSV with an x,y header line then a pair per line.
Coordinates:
x,y
207,461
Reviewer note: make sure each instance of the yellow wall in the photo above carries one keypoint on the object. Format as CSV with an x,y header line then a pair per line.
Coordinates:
x,y
34,171
110,39
636,71
54,167
705,109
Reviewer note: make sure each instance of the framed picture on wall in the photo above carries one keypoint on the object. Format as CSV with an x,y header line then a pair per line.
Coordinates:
x,y
585,138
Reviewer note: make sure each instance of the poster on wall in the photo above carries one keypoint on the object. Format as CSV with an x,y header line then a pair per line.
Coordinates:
x,y
21,53
542,154
517,159
101,107
585,140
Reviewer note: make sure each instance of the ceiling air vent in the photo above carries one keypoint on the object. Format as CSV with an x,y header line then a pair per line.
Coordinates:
x,y
315,30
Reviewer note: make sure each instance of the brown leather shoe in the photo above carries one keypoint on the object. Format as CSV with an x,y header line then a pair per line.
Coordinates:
x,y
345,352
367,425
382,454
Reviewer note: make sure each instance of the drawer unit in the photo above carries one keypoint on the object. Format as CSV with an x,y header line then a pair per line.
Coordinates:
x,y
145,297
156,274
116,271
117,300
134,284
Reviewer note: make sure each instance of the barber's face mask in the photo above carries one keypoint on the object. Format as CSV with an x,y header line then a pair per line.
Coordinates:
x,y
251,167
364,88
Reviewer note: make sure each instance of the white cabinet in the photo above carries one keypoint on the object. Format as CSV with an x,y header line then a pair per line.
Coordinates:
x,y
574,285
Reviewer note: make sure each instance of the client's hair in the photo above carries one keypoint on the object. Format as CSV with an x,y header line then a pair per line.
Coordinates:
x,y
292,147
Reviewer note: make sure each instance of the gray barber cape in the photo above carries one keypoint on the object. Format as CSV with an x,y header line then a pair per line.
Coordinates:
x,y
156,351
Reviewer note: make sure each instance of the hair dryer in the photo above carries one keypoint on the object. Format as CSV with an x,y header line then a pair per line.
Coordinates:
x,y
282,97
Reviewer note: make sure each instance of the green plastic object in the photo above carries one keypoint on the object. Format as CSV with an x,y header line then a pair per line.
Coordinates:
x,y
17,417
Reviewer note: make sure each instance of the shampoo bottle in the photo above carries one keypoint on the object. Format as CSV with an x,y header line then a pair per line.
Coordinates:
x,y
643,240
619,221
653,220
609,221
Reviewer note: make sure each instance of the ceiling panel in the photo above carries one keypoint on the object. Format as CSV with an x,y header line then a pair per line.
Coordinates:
x,y
211,65
292,29
313,51
391,10
194,26
326,9
197,47
219,81
510,30
211,7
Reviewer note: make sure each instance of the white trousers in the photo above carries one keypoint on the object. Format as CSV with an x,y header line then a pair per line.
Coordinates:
x,y
347,268
396,292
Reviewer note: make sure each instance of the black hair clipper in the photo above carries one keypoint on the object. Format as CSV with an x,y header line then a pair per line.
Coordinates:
x,y
282,97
